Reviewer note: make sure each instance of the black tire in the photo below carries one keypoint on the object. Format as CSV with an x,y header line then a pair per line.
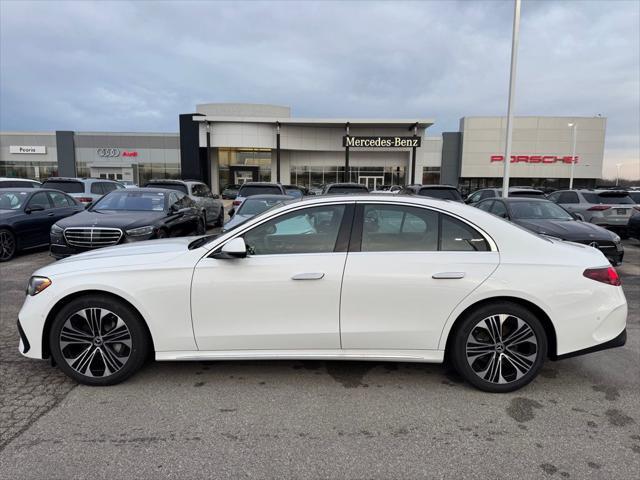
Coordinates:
x,y
490,365
106,363
162,233
8,245
220,219
202,227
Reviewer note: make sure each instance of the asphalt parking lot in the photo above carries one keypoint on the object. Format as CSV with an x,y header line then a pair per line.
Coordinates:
x,y
579,419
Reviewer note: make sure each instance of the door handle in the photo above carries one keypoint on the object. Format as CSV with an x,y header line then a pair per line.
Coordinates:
x,y
308,276
448,275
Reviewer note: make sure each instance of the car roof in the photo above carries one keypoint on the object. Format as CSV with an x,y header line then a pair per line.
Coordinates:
x,y
518,199
252,184
4,179
145,189
345,184
448,187
80,179
31,190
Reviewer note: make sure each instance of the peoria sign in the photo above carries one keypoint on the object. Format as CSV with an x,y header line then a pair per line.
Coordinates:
x,y
380,142
536,159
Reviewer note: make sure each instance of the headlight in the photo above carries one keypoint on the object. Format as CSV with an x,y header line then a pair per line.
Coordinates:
x,y
37,284
57,230
616,239
136,232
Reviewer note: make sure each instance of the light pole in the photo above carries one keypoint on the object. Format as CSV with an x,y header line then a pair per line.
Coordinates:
x,y
618,165
574,134
512,93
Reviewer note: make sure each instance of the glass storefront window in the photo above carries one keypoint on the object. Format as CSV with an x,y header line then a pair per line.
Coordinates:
x,y
228,157
317,176
430,175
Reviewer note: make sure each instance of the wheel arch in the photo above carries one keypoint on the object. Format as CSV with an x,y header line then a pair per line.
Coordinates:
x,y
12,229
544,318
60,304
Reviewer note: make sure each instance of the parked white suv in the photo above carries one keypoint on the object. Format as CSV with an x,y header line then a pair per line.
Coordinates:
x,y
84,190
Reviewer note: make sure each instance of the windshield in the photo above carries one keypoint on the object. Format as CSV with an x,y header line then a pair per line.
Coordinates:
x,y
252,207
538,211
443,193
608,198
526,193
12,200
178,187
250,190
131,201
69,186
293,192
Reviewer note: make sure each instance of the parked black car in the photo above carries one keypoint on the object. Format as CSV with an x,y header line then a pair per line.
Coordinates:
x,y
127,216
634,226
443,192
344,188
547,218
230,192
26,216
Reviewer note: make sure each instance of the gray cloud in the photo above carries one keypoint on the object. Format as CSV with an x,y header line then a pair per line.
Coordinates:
x,y
135,66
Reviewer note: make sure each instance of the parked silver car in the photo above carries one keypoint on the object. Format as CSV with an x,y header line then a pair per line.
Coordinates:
x,y
10,182
199,192
485,193
611,209
249,189
84,190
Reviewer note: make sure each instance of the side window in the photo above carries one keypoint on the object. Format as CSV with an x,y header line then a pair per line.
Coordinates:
x,y
397,228
40,199
109,187
486,206
59,200
96,188
475,197
198,190
173,200
456,236
499,209
554,197
206,192
311,230
568,197
487,194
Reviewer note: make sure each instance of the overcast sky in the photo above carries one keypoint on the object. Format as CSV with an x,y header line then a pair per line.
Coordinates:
x,y
118,66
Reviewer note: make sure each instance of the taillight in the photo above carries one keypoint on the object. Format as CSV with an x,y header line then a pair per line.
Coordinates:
x,y
599,207
236,203
85,199
606,275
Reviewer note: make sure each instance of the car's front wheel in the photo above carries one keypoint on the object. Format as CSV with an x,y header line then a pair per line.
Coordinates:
x,y
7,245
499,347
98,340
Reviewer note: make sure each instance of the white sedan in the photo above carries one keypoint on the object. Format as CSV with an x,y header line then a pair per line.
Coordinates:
x,y
367,278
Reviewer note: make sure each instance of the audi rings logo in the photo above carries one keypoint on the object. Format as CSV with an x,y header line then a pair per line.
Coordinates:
x,y
109,152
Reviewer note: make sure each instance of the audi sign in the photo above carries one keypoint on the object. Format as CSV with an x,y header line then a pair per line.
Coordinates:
x,y
108,152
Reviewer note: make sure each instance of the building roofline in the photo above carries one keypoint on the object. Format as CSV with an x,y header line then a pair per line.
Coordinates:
x,y
320,122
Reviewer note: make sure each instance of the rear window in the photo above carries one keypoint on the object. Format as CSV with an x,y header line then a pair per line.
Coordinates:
x,y
635,196
250,190
443,193
528,194
607,198
17,184
348,189
68,186
178,187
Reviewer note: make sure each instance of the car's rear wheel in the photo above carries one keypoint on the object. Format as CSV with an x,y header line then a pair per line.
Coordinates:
x,y
220,219
499,347
7,245
98,340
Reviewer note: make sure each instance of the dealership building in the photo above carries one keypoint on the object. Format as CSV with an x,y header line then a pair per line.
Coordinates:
x,y
233,143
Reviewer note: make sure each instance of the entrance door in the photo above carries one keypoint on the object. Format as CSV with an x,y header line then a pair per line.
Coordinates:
x,y
372,183
242,176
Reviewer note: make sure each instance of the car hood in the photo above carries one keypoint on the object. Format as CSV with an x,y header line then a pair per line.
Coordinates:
x,y
110,218
571,230
149,252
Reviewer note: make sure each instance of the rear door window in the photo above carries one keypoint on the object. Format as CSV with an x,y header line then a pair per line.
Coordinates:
x,y
608,198
70,186
178,187
499,209
250,190
60,200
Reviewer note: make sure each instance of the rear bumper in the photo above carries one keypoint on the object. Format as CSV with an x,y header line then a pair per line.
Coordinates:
x,y
618,341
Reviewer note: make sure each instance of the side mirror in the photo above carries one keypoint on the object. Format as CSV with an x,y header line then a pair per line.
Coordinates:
x,y
235,248
577,217
35,208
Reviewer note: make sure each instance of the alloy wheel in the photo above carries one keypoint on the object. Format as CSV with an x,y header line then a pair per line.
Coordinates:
x,y
95,342
501,348
7,245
